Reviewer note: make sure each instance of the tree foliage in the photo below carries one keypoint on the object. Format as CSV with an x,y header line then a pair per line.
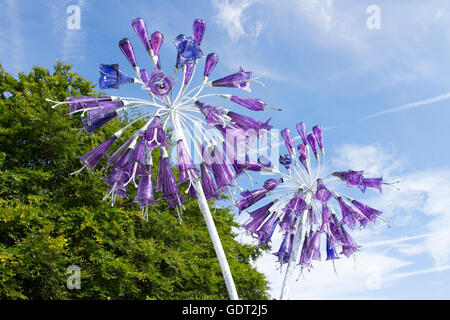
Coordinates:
x,y
50,220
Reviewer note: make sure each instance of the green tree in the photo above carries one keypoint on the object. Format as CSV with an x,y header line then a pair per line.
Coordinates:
x,y
50,220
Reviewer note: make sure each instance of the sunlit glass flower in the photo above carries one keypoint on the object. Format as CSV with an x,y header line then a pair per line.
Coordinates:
x,y
306,208
188,117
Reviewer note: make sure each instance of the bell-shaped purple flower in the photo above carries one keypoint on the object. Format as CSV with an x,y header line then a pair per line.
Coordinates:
x,y
127,50
79,103
111,77
209,188
285,160
250,198
235,80
349,246
92,126
222,171
250,103
166,183
327,220
93,157
101,109
144,194
314,246
331,250
188,50
186,166
372,183
199,30
348,213
301,128
353,178
266,231
288,141
367,211
258,217
213,115
141,30
247,123
284,252
160,83
154,134
211,61
322,193
305,255
271,184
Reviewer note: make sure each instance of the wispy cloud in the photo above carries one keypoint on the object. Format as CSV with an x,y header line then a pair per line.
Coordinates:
x,y
231,17
408,106
12,42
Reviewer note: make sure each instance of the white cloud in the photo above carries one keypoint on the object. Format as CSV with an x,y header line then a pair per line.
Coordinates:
x,y
231,17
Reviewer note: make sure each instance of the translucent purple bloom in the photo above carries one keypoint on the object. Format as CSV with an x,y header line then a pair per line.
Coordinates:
x,y
128,51
111,77
160,83
318,134
154,135
156,40
312,142
301,128
211,61
188,50
144,194
93,157
248,123
235,80
250,103
186,166
209,187
199,30
141,30
372,183
166,183
80,103
213,115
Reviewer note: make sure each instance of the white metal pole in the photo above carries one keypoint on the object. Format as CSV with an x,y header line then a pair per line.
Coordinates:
x,y
295,248
204,208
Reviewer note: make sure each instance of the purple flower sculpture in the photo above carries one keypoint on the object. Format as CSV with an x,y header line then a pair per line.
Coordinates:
x,y
203,135
307,208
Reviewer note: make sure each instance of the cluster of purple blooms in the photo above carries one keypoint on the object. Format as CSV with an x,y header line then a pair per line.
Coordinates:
x,y
186,114
302,202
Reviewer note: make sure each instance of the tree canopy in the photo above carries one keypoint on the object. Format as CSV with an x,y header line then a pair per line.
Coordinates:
x,y
50,220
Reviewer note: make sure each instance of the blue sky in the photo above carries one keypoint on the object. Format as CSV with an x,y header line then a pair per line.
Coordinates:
x,y
383,94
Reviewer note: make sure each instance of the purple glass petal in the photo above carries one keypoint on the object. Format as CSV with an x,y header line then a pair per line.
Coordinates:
x,y
312,142
284,252
160,83
348,213
188,75
211,61
247,123
322,193
222,171
141,30
326,220
372,183
250,198
271,184
101,109
257,218
288,141
157,40
154,135
199,30
368,212
318,133
165,182
305,256
235,80
301,128
249,103
349,246
79,103
266,231
127,49
209,188
214,115
92,126
314,246
93,157
144,194
331,250
185,164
